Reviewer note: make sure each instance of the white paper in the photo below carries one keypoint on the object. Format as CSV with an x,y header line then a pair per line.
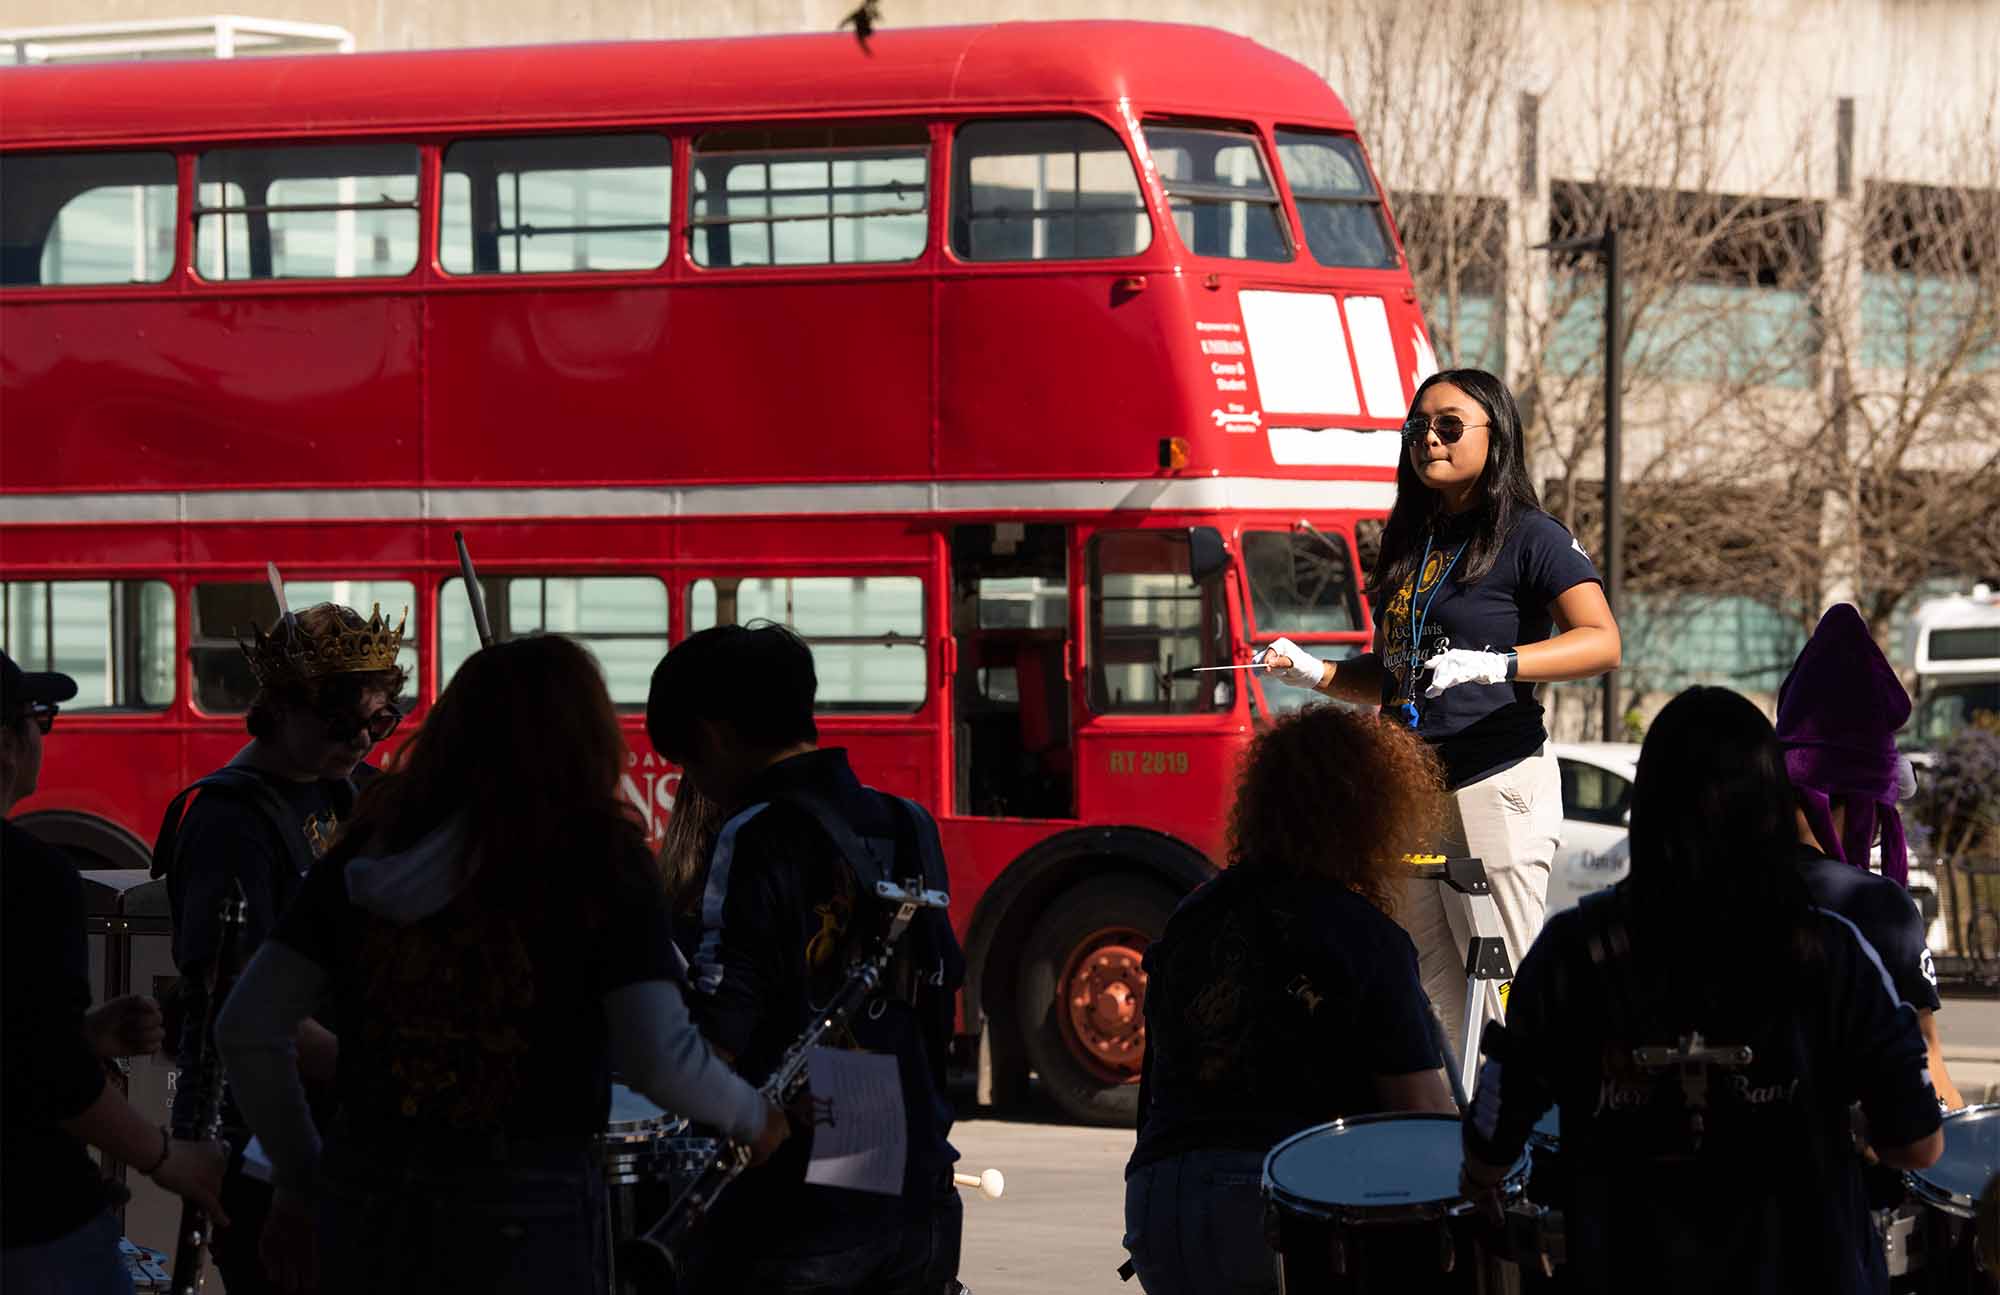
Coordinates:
x,y
858,1134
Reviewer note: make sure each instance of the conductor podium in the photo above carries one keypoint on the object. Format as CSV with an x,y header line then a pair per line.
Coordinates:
x,y
1487,966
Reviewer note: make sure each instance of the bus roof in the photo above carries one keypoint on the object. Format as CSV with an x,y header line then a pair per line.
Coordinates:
x,y
1159,67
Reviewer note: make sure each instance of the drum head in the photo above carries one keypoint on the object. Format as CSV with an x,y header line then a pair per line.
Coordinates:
x,y
1373,1162
1971,1158
1547,1130
631,1112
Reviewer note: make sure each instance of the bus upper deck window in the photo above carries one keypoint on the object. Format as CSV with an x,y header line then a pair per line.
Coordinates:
x,y
1220,193
549,203
317,212
1053,189
809,195
86,218
1337,201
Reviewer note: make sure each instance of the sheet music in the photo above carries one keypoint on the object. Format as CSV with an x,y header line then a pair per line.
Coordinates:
x,y
859,1141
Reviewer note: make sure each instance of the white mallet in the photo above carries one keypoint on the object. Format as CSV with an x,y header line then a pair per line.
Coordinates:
x,y
990,1183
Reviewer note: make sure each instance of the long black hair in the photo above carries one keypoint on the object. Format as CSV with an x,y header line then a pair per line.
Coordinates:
x,y
1505,490
1714,842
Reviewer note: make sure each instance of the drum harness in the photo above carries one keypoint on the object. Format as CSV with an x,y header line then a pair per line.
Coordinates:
x,y
655,1256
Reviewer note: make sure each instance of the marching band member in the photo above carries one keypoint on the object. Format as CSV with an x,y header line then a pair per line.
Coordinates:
x,y
780,913
1704,1031
1472,577
1282,994
327,684
490,927
1838,712
56,1235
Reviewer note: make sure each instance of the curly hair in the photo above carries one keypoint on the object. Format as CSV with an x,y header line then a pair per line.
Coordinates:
x,y
1339,793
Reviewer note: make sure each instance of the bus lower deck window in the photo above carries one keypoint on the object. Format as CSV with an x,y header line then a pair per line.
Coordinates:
x,y
226,611
866,632
114,637
1045,189
622,620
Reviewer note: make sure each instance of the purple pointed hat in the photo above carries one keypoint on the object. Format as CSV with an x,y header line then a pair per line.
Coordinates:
x,y
1838,712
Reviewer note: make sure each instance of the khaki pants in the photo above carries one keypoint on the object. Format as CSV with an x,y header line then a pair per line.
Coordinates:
x,y
1512,822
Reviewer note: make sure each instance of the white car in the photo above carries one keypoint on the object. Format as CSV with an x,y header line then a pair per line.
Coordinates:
x,y
1597,813
1597,794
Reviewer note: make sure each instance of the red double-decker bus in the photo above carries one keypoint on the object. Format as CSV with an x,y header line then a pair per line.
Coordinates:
x,y
1019,368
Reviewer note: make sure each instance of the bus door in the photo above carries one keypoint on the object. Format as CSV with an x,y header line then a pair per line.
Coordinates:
x,y
1013,754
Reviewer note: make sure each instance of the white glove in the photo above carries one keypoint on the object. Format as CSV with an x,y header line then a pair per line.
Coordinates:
x,y
1305,670
1461,665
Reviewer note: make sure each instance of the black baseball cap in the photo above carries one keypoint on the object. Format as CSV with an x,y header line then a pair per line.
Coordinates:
x,y
20,688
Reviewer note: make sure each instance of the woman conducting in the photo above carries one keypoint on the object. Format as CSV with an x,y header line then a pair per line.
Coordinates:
x,y
495,938
1281,996
1472,578
1704,1031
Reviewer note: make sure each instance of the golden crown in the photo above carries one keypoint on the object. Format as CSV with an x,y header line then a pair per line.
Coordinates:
x,y
325,639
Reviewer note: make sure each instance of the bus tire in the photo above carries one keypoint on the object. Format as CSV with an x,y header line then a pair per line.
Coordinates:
x,y
1087,1043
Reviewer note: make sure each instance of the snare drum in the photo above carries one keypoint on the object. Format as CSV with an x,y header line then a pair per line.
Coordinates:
x,y
1944,1240
1372,1204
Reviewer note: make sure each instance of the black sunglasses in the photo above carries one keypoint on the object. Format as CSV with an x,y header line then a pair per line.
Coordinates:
x,y
44,714
379,725
1449,427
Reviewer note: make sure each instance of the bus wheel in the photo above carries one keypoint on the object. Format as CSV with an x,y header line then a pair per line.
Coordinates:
x,y
1083,994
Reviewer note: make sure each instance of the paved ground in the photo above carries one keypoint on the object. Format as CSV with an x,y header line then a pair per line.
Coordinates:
x,y
1057,1227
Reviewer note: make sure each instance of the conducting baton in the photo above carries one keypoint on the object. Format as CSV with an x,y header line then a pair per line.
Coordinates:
x,y
473,591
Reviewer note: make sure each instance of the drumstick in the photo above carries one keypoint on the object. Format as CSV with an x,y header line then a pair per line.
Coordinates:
x,y
990,1183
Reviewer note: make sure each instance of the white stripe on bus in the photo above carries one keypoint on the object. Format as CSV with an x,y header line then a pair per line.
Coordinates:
x,y
1191,494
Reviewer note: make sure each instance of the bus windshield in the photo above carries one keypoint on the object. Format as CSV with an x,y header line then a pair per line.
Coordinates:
x,y
1947,708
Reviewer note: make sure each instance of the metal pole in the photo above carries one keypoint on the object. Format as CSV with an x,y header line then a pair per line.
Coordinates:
x,y
1614,520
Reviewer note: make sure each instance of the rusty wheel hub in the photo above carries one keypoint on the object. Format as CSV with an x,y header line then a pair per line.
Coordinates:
x,y
1103,1004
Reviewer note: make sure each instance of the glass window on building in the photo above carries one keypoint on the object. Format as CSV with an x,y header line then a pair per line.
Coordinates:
x,y
225,613
1337,201
549,203
817,195
1675,641
1926,291
77,218
1457,248
866,632
1220,194
1735,277
1150,623
319,212
114,637
621,619
1045,189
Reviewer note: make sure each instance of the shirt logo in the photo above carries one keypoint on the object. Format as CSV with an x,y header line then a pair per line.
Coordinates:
x,y
1577,544
1928,968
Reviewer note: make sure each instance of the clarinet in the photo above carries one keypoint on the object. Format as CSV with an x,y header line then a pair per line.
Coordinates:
x,y
652,1257
191,1246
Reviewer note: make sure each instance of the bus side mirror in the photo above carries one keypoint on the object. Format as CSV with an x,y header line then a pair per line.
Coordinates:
x,y
1208,557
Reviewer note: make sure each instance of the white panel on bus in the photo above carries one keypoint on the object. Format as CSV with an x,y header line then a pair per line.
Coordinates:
x,y
1427,360
1375,356
1300,352
1307,447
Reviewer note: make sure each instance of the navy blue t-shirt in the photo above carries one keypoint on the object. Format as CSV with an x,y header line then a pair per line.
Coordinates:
x,y
1885,915
1771,1199
1477,728
1271,1005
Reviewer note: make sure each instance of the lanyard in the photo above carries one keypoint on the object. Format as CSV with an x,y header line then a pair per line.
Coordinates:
x,y
1409,707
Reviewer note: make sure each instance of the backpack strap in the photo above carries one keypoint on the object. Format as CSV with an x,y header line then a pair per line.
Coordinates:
x,y
244,784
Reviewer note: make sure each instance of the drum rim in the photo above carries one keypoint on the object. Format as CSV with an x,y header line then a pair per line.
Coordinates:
x,y
1937,1195
1398,1212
